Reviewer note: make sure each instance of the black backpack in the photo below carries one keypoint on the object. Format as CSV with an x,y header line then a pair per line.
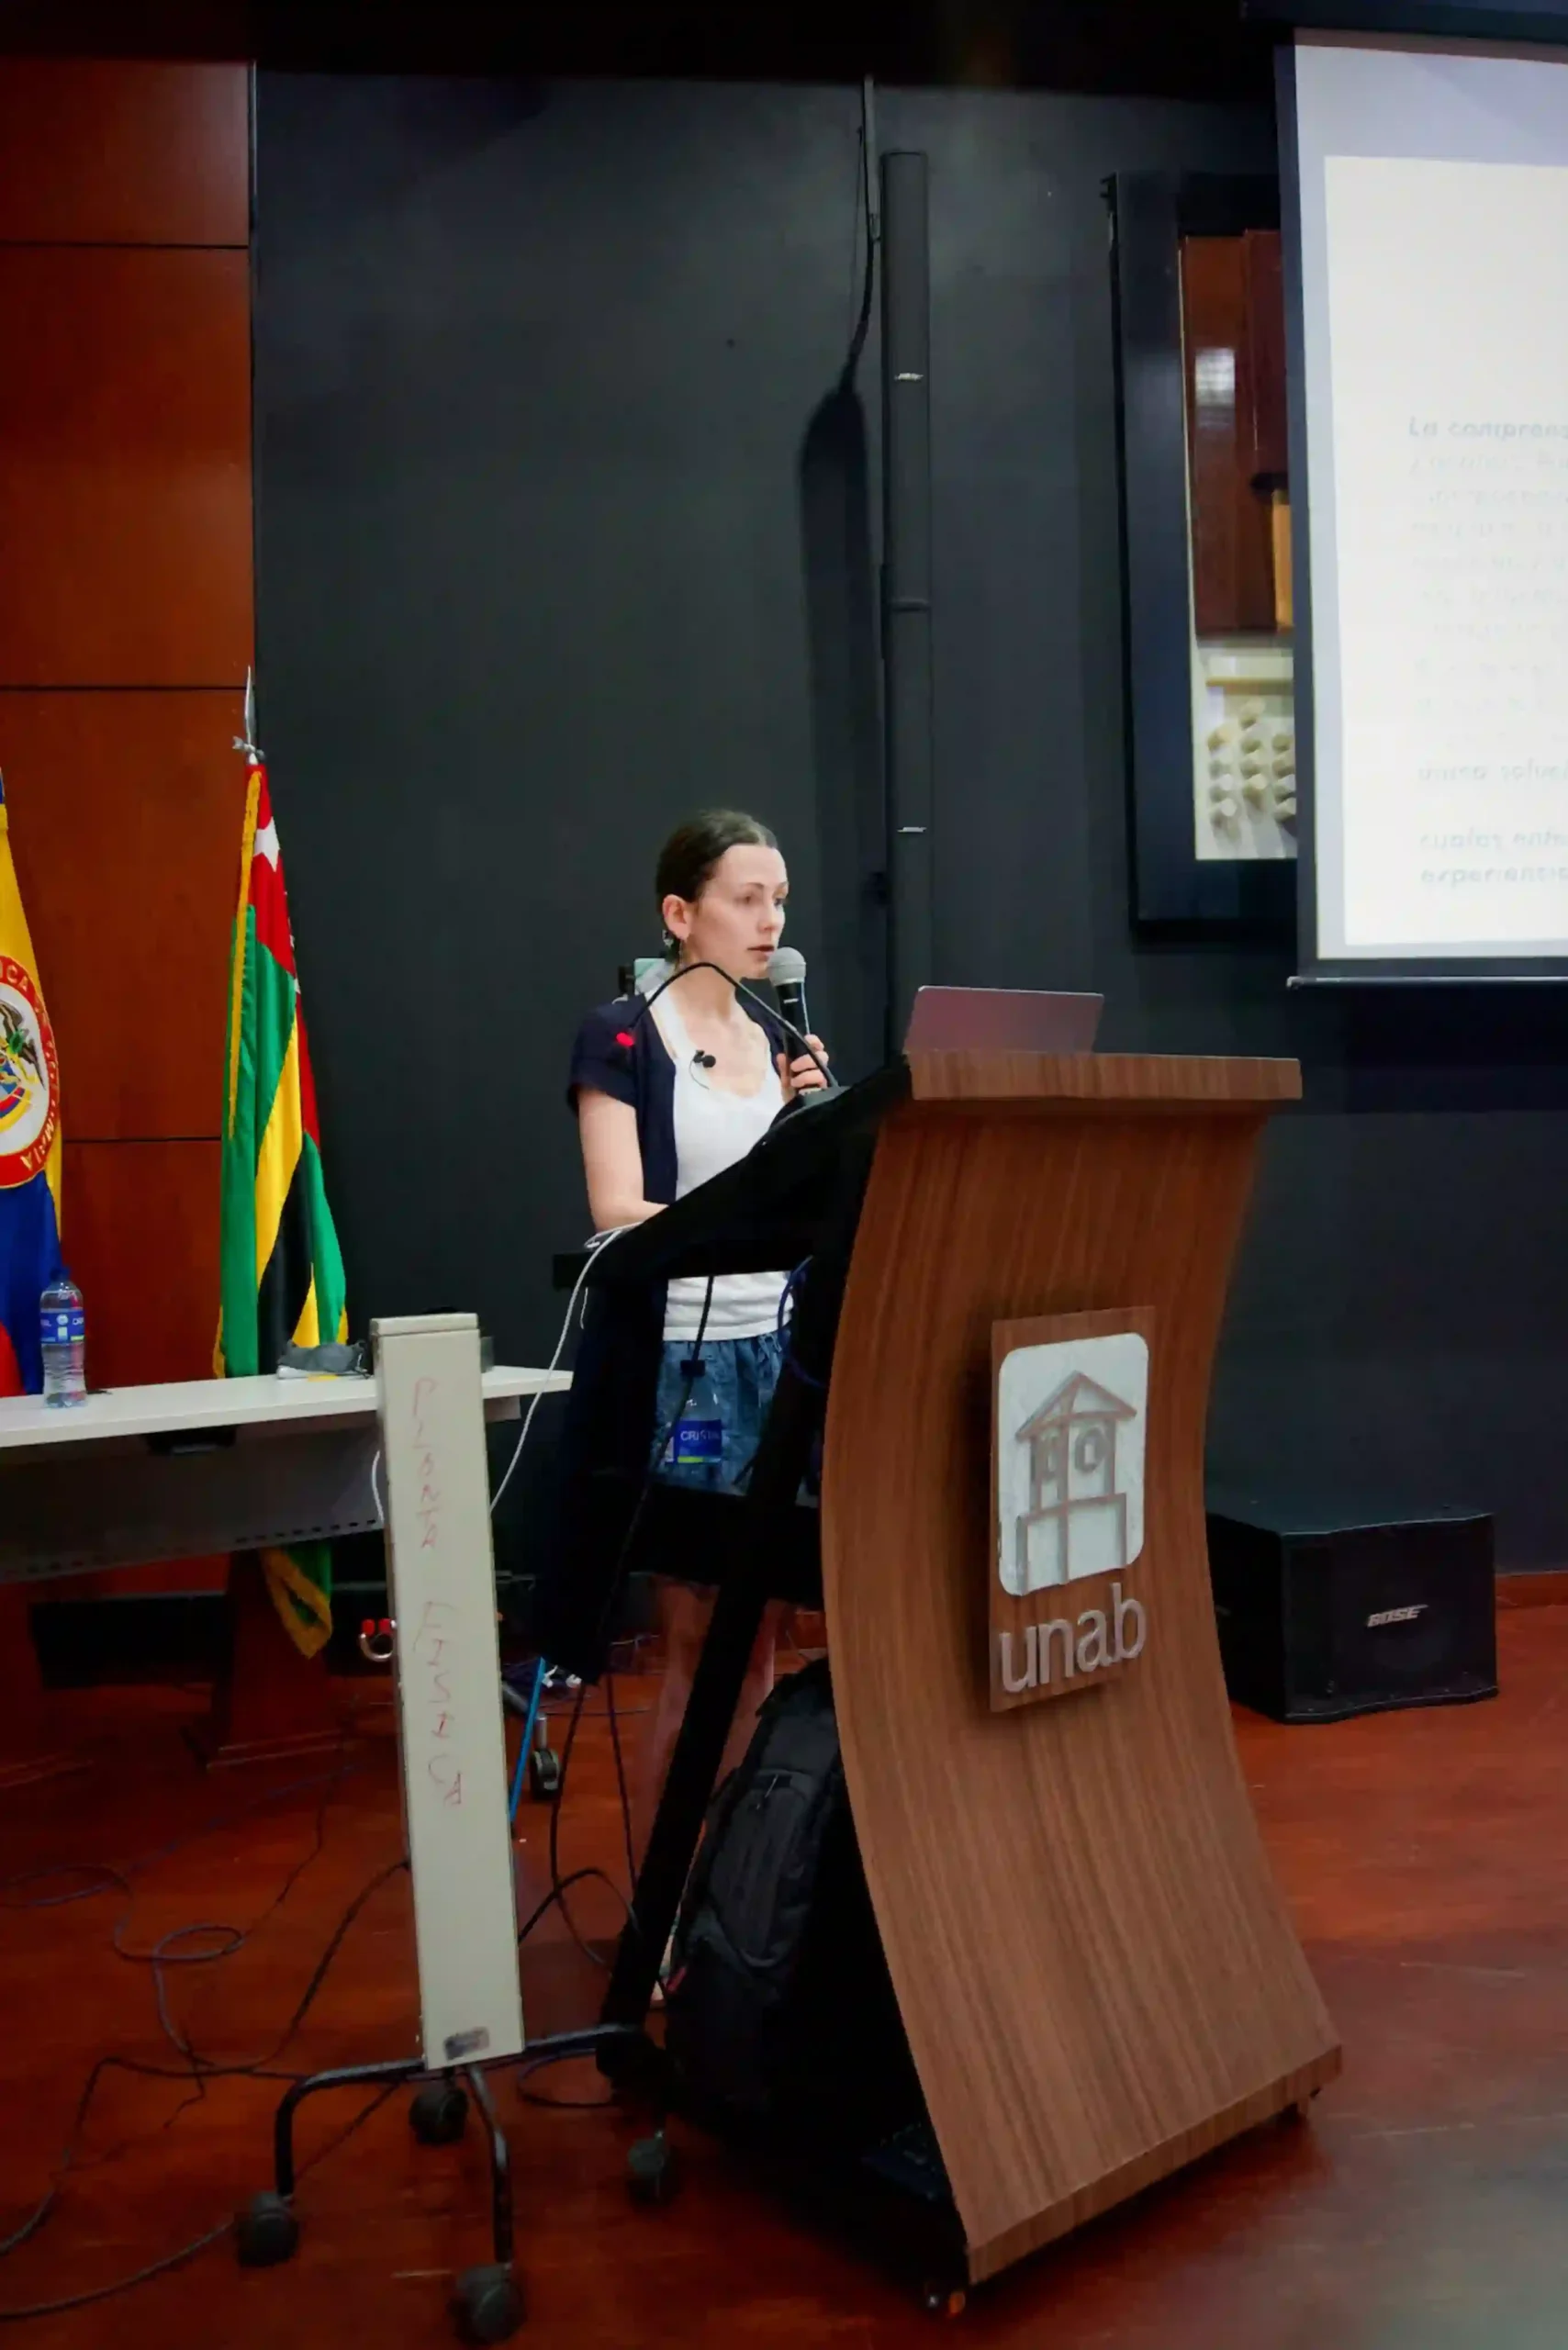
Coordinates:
x,y
780,2015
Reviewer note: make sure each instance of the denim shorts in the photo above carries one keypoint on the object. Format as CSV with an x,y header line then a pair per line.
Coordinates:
x,y
744,1373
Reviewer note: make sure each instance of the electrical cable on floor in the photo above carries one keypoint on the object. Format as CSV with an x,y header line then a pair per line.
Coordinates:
x,y
165,1952
558,1885
109,1875
227,1938
197,2068
227,1942
553,1899
559,2104
187,2251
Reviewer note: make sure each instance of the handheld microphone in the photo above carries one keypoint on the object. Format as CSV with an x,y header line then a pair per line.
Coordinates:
x,y
787,972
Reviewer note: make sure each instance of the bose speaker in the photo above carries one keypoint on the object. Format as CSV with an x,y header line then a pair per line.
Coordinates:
x,y
1325,1613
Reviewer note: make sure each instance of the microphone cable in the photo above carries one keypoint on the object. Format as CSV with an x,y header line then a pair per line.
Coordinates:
x,y
770,1012
597,1245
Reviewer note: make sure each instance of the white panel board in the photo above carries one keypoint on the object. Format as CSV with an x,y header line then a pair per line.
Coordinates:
x,y
441,1578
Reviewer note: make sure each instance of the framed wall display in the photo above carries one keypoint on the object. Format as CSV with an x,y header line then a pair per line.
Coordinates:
x,y
1206,516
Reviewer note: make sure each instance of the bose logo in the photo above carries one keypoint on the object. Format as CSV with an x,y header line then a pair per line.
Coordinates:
x,y
1396,1616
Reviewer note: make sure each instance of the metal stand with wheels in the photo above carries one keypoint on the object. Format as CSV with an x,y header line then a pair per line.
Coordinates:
x,y
441,1634
488,2300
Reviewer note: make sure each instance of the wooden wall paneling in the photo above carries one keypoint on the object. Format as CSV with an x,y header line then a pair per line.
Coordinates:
x,y
105,151
126,560
1267,404
269,1703
125,814
1233,591
1044,1085
1096,1972
125,468
1263,307
141,1237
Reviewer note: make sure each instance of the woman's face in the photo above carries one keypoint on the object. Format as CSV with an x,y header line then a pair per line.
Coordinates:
x,y
739,919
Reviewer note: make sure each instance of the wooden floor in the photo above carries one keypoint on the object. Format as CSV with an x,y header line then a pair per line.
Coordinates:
x,y
1424,2208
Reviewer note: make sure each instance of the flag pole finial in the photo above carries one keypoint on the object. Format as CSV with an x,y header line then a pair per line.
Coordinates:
x,y
247,741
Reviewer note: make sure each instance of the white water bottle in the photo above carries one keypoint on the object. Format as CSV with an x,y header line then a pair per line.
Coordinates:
x,y
63,1334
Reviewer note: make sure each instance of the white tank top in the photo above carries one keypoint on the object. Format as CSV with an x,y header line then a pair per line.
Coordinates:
x,y
713,1128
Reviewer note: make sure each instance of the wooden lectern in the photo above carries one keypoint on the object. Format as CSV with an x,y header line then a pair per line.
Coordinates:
x,y
1096,1974
1094,1965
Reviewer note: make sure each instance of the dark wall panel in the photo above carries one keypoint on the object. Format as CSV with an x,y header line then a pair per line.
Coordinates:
x,y
1402,1259
534,374
562,532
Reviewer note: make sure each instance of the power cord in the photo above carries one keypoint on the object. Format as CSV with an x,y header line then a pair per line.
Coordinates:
x,y
595,1247
599,1242
865,176
555,1898
559,1885
106,1875
227,1941
620,1775
195,2068
197,2243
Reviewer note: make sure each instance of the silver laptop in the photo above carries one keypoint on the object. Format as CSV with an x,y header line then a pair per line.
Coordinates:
x,y
1002,1020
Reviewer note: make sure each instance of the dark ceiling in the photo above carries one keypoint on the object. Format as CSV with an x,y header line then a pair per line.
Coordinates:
x,y
1195,47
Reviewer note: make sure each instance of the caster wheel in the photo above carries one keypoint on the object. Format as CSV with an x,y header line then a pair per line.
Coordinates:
x,y
652,2174
438,2113
266,2233
543,1775
488,2304
946,2301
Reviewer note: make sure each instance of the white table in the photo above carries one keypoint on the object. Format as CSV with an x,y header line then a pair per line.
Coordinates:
x,y
140,1474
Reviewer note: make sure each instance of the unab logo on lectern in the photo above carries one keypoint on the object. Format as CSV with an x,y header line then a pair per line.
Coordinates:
x,y
1071,1411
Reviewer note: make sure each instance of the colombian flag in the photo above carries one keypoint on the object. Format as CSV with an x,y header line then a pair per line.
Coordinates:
x,y
30,1140
282,1275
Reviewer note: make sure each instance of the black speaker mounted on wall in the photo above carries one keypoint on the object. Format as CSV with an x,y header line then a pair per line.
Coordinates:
x,y
1325,1612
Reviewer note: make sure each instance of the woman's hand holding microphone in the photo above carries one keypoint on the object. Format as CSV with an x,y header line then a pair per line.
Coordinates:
x,y
802,1074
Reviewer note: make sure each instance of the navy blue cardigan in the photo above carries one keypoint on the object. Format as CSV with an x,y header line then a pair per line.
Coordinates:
x,y
620,1051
